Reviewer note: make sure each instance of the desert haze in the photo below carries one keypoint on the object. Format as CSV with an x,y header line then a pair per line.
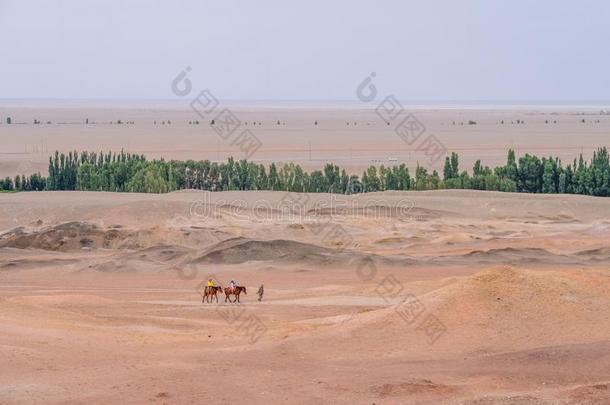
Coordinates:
x,y
432,297
352,135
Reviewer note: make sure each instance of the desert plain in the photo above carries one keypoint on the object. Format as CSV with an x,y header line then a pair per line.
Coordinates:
x,y
431,297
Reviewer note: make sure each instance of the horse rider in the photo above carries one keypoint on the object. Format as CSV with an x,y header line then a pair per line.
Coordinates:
x,y
232,285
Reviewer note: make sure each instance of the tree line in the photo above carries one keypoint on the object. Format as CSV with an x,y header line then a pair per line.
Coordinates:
x,y
125,172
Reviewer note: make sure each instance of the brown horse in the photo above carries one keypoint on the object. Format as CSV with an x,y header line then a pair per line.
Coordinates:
x,y
238,290
209,293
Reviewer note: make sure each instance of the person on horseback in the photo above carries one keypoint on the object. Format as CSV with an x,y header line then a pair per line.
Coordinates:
x,y
209,289
232,285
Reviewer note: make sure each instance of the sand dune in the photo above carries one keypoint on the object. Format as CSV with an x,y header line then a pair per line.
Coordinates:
x,y
501,308
510,255
114,281
239,250
75,235
68,236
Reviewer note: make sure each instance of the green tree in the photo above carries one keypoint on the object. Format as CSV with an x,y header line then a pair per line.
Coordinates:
x,y
447,169
372,181
512,171
530,174
549,184
274,181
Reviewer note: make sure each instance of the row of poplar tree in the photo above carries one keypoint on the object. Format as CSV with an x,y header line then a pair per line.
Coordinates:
x,y
127,172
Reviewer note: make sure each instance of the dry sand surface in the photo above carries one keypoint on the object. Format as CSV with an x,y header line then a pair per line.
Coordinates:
x,y
351,135
448,297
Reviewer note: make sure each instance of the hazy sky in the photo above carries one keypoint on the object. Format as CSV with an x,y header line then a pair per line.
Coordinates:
x,y
307,50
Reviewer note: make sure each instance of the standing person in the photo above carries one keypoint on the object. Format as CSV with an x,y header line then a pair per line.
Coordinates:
x,y
261,291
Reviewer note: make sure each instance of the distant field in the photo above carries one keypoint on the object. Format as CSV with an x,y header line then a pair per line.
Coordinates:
x,y
353,137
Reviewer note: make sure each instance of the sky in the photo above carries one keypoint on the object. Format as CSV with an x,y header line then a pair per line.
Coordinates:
x,y
470,50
